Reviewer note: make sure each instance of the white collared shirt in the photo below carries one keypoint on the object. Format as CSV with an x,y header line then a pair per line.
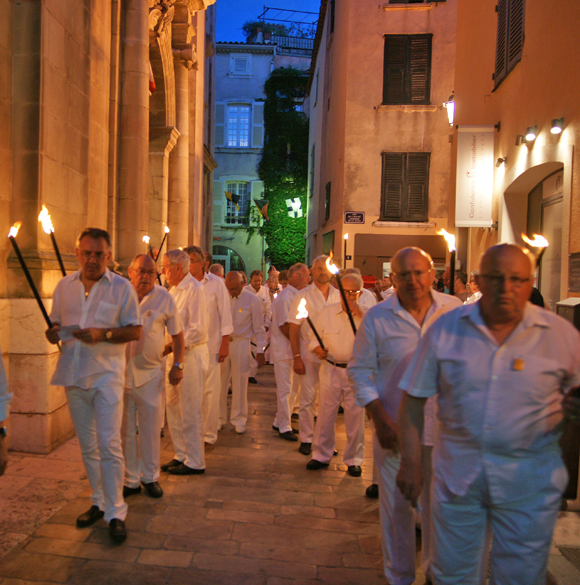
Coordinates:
x,y
112,302
248,319
367,299
264,297
145,356
191,303
279,344
315,302
500,406
220,317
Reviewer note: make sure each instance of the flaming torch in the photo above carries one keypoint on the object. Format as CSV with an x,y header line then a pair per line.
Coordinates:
x,y
147,241
12,237
303,314
162,242
450,239
44,219
538,242
334,270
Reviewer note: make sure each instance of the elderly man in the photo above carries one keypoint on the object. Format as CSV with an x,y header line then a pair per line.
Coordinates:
x,y
184,416
388,333
217,269
335,330
255,287
281,352
500,368
220,329
144,378
317,295
100,312
248,320
5,398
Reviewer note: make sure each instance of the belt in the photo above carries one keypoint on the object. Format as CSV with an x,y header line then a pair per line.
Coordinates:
x,y
336,364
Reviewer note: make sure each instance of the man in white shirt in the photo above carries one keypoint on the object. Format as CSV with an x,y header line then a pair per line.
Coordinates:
x,y
318,295
389,332
248,322
101,312
144,378
281,352
184,416
334,328
220,329
501,369
255,287
5,398
366,299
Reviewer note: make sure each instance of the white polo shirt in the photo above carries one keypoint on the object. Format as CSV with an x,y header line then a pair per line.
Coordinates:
x,y
246,312
191,303
279,344
220,317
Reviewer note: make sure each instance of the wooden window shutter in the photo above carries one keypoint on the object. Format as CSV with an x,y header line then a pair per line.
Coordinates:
x,y
258,125
515,33
510,37
419,89
327,202
220,124
393,183
394,69
417,185
501,43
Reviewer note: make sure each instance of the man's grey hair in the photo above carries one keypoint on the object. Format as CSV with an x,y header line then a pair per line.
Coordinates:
x,y
180,257
355,277
132,265
217,269
199,252
352,270
295,268
322,258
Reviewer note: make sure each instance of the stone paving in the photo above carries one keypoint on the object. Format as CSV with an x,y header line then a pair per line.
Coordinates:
x,y
257,517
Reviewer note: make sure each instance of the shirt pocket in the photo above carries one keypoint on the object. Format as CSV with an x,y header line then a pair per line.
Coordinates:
x,y
107,315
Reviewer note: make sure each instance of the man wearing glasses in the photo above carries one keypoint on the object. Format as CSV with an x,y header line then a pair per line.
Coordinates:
x,y
389,332
501,369
94,313
335,330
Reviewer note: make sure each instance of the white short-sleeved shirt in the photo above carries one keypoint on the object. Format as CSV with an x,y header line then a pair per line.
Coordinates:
x,y
367,299
264,297
248,319
191,303
220,317
112,302
279,344
500,406
315,302
145,356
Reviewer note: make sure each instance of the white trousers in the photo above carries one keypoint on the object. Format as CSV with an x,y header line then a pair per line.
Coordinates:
x,y
143,448
183,408
96,414
285,377
210,403
308,396
521,530
334,385
236,366
295,394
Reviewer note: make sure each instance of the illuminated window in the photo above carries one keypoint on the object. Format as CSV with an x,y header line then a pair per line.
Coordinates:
x,y
239,126
235,216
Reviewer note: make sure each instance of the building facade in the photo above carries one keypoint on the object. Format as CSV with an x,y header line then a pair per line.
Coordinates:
x,y
102,108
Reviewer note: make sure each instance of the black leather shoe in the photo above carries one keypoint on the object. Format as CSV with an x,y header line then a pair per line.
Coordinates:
x,y
117,530
294,416
252,380
305,448
153,489
289,436
275,428
372,491
335,453
129,491
314,464
354,470
89,517
182,469
172,463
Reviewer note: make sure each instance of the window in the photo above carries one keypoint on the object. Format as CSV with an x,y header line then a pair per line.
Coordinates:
x,y
405,186
327,202
240,65
407,69
510,37
233,216
238,126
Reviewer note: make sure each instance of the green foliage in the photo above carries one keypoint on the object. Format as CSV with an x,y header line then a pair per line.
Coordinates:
x,y
251,26
284,165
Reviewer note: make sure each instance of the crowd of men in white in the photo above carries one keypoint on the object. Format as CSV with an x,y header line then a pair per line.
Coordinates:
x,y
482,463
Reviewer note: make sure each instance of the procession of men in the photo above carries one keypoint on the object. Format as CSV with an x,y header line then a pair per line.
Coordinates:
x,y
467,401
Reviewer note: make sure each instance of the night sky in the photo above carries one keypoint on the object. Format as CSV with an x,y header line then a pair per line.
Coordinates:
x,y
231,14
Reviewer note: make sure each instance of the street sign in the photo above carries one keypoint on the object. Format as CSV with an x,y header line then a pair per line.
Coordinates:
x,y
354,217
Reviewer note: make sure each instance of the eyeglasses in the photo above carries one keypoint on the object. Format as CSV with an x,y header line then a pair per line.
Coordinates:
x,y
88,255
352,293
500,279
418,274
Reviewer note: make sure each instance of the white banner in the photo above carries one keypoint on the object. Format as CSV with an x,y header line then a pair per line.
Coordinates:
x,y
475,168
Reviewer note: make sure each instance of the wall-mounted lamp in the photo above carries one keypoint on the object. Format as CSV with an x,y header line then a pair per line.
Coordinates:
x,y
449,105
531,133
557,126
501,161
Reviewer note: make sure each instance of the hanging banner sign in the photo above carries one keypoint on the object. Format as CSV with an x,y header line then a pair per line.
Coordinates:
x,y
474,182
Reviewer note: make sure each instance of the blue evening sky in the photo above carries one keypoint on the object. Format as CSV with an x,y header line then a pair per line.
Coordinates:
x,y
231,14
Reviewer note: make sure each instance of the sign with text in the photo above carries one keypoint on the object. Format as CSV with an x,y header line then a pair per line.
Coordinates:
x,y
474,183
354,217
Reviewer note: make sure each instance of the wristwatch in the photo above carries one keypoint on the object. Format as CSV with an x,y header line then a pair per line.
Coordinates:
x,y
108,334
178,365
3,432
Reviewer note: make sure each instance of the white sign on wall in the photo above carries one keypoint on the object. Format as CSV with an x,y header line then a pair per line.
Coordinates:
x,y
475,168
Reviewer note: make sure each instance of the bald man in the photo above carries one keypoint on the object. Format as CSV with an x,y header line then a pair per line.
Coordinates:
x,y
502,369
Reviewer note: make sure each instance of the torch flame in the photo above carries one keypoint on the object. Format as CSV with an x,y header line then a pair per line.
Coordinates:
x,y
44,219
146,239
275,295
537,242
331,265
449,238
302,312
166,230
14,229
